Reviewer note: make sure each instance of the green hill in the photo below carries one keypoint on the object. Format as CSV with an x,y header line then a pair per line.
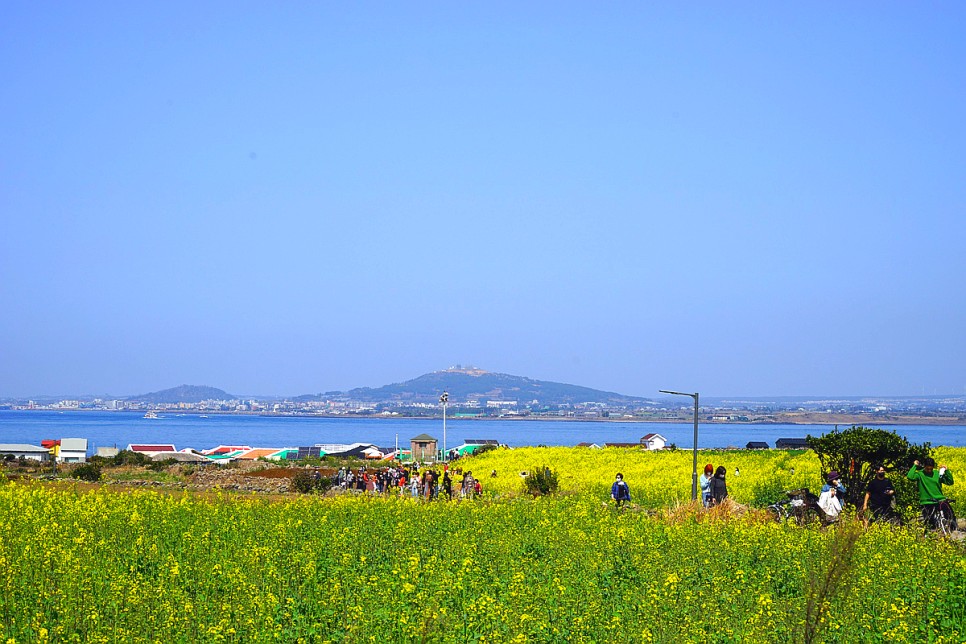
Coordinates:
x,y
465,384
185,394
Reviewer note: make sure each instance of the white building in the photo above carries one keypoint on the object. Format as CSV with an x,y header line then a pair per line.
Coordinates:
x,y
73,450
653,441
17,450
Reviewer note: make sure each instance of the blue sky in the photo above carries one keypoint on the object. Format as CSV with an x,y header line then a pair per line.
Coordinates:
x,y
285,198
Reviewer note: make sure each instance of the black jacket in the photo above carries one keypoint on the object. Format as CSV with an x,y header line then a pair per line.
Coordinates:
x,y
719,490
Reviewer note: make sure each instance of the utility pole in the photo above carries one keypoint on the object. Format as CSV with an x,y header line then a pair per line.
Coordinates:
x,y
444,399
694,468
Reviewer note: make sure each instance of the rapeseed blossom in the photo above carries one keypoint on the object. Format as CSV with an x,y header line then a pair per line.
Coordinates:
x,y
145,567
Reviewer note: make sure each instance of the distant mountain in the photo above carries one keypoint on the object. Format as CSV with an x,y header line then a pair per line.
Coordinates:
x,y
470,383
185,394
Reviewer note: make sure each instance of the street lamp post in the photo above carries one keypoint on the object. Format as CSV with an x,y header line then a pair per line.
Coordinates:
x,y
444,399
694,467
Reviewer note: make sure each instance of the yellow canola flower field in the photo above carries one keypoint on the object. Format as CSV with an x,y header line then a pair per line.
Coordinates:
x,y
663,478
109,566
657,479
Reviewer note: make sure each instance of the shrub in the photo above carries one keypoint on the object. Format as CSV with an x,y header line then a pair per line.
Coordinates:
x,y
126,457
157,466
541,481
87,472
303,482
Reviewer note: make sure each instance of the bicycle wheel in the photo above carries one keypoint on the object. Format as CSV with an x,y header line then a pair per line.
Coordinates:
x,y
945,519
942,523
779,511
806,515
951,517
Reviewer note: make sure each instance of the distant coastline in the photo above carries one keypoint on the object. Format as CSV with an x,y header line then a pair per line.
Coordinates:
x,y
778,418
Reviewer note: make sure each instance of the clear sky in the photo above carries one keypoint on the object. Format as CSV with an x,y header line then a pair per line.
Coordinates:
x,y
282,198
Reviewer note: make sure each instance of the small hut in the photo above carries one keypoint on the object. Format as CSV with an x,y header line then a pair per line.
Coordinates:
x,y
423,448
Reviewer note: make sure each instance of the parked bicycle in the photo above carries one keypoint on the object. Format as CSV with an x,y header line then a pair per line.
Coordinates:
x,y
940,518
800,506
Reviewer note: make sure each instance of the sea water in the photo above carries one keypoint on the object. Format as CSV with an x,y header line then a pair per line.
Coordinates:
x,y
120,429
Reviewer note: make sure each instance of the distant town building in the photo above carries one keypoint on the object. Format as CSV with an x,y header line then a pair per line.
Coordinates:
x,y
756,445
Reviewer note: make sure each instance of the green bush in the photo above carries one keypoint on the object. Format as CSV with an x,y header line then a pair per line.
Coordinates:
x,y
87,472
541,481
303,482
157,466
125,457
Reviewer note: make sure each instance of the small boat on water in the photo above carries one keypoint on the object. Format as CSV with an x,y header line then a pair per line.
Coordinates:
x,y
151,414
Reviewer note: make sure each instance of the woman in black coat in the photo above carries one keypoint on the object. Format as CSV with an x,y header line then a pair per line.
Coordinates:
x,y
719,488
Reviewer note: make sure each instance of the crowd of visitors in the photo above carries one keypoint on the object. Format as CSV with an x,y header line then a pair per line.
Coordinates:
x,y
410,481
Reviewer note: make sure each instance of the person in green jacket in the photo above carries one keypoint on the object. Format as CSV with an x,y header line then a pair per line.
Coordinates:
x,y
930,482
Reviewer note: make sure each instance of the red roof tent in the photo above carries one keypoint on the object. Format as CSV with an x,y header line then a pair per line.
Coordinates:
x,y
152,448
49,442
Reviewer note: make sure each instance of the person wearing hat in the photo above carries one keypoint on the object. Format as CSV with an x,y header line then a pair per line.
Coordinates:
x,y
834,483
706,484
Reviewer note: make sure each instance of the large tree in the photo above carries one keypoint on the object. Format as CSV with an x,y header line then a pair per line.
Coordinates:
x,y
854,453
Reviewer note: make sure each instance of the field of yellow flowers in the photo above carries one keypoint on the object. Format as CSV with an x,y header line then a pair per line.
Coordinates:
x,y
109,566
661,479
